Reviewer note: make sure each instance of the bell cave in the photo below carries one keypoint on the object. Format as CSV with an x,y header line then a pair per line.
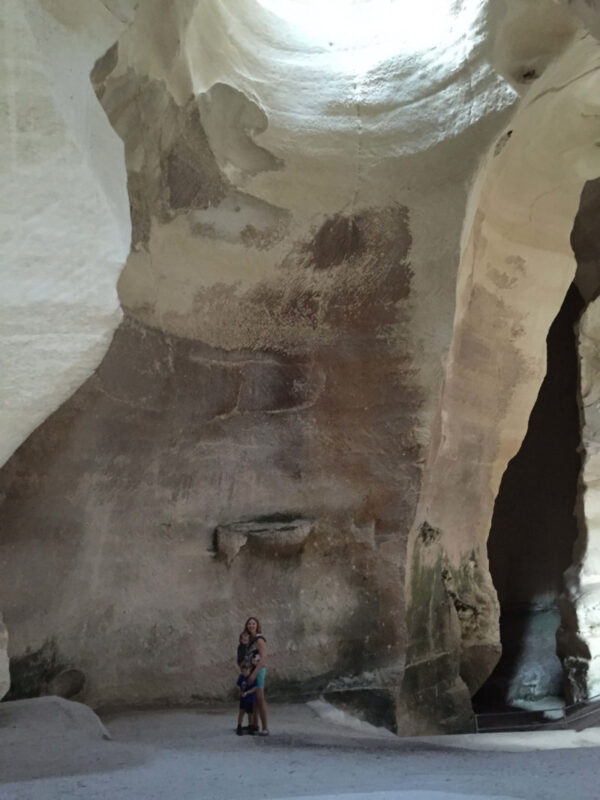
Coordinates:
x,y
300,319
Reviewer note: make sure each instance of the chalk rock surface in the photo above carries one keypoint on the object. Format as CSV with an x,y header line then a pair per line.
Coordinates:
x,y
296,200
265,434
64,208
516,267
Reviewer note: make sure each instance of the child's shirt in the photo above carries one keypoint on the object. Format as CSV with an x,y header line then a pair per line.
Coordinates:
x,y
244,684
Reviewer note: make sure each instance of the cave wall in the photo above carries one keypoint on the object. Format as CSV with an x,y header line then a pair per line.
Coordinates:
x,y
265,434
515,270
287,294
534,526
65,209
577,638
66,226
116,513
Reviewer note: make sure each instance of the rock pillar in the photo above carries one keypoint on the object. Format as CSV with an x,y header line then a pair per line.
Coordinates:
x,y
579,636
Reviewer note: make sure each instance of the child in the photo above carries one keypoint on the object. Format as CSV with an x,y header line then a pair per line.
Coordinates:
x,y
243,647
247,694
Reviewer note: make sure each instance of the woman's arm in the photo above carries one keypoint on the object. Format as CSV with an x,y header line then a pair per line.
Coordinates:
x,y
262,661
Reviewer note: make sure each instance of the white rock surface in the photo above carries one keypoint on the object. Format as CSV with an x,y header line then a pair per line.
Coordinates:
x,y
64,209
51,719
345,136
588,11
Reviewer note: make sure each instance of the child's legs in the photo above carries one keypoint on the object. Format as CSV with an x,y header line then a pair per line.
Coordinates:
x,y
241,713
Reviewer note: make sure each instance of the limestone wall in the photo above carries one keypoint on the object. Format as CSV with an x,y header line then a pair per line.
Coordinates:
x,y
579,641
262,435
64,205
516,266
296,208
66,224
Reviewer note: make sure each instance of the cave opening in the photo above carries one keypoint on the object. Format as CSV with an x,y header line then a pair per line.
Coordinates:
x,y
357,37
534,528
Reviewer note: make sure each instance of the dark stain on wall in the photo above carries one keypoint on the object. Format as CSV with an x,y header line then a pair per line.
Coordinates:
x,y
102,69
171,168
338,239
191,177
31,672
363,297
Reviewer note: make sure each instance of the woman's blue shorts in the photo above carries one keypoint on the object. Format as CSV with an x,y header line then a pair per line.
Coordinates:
x,y
260,678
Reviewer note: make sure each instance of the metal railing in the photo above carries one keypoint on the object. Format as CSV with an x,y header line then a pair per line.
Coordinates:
x,y
553,717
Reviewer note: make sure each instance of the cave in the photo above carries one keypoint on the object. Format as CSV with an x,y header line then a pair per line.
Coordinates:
x,y
534,528
276,318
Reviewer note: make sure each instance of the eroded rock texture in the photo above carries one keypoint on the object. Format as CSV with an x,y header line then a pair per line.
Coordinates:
x,y
136,510
255,439
516,267
64,208
277,368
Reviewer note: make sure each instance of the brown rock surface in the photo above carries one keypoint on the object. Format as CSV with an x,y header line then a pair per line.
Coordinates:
x,y
127,497
254,440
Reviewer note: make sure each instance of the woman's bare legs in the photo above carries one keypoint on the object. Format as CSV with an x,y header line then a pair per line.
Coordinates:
x,y
261,707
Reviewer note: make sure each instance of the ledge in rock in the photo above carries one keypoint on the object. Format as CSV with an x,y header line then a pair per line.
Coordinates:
x,y
277,535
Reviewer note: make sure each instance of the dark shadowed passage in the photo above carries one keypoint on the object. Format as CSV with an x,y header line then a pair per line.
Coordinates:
x,y
534,528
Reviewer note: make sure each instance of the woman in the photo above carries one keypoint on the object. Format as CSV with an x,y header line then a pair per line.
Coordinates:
x,y
258,655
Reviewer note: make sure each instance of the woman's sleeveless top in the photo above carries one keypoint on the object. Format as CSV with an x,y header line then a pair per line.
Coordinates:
x,y
253,653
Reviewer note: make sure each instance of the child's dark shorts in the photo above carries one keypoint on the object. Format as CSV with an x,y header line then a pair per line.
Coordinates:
x,y
247,705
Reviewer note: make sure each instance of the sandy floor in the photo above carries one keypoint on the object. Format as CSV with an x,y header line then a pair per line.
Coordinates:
x,y
51,748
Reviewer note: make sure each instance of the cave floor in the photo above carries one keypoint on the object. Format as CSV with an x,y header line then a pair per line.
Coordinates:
x,y
51,748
